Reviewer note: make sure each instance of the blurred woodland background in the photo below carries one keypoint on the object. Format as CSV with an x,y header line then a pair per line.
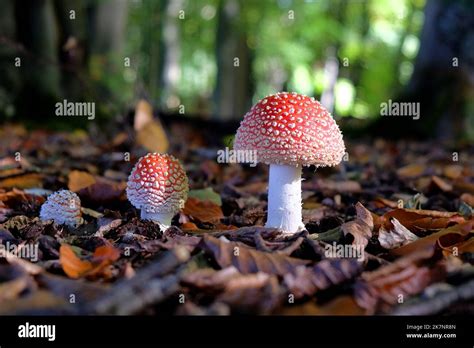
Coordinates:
x,y
212,59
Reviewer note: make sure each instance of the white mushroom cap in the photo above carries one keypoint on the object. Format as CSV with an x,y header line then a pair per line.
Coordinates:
x,y
291,129
158,184
64,207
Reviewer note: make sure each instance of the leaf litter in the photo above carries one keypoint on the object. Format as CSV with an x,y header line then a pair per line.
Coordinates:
x,y
412,220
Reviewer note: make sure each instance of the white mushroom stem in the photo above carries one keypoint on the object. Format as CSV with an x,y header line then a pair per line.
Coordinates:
x,y
284,198
163,219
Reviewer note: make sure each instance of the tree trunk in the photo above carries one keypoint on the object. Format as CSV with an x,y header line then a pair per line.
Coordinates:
x,y
10,75
443,78
37,33
233,92
170,53
71,17
106,31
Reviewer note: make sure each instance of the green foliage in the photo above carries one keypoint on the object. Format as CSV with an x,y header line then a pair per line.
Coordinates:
x,y
375,41
290,41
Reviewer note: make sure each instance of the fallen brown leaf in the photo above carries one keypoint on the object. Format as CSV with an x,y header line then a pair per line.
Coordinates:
x,y
360,228
468,198
430,241
204,211
398,236
411,170
74,267
347,186
325,274
23,181
149,132
421,220
248,260
441,183
380,290
78,180
210,279
253,293
453,171
189,226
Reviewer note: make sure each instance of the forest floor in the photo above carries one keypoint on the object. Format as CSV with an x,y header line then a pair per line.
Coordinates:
x,y
406,204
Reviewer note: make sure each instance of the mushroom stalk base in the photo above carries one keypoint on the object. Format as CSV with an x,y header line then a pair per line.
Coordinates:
x,y
284,198
162,219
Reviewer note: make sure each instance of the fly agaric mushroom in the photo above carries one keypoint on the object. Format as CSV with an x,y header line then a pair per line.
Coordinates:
x,y
63,207
158,185
288,131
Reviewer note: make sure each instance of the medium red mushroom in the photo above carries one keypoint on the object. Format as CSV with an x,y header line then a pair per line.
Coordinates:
x,y
288,131
158,185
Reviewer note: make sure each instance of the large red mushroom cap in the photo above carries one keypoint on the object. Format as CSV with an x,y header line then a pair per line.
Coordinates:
x,y
158,184
291,129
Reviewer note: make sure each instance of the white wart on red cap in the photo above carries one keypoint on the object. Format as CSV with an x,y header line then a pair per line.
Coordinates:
x,y
158,184
64,207
291,129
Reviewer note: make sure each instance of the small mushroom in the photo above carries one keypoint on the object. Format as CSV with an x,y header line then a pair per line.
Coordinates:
x,y
288,131
158,185
63,207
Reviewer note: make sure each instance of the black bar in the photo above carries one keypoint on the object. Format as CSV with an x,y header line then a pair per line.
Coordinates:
x,y
138,330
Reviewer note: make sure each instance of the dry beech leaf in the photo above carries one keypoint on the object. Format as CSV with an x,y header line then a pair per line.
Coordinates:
x,y
250,293
464,186
396,237
153,137
468,199
361,228
16,197
23,181
149,132
306,281
430,241
78,180
383,202
94,188
253,293
417,220
466,246
383,288
380,293
455,244
10,290
189,226
143,115
441,183
33,304
253,188
204,211
74,267
248,260
452,171
222,227
347,186
209,278
103,191
28,266
411,170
